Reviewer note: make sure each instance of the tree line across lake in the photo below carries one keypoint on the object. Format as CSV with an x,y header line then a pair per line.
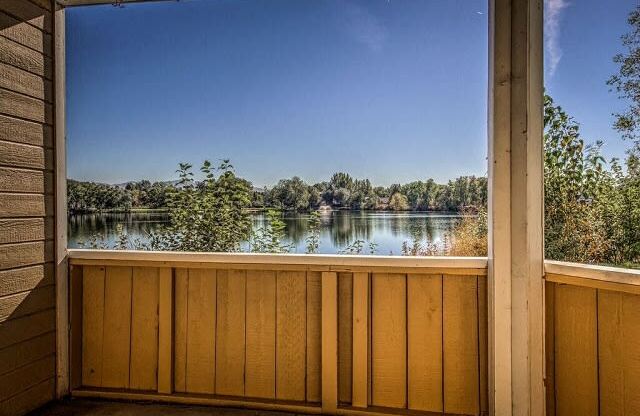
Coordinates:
x,y
341,192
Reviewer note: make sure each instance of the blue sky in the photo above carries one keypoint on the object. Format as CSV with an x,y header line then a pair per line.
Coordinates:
x,y
392,90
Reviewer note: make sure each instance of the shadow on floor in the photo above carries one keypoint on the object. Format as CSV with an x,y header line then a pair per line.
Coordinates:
x,y
88,407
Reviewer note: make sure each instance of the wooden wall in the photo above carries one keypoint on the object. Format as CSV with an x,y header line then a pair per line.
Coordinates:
x,y
404,341
593,350
27,291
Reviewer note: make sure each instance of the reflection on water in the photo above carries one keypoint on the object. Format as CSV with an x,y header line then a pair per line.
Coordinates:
x,y
338,229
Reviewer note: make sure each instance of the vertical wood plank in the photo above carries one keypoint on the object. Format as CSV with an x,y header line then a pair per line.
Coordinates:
x,y
75,321
424,322
291,317
460,330
260,380
631,330
165,330
483,340
92,324
360,387
201,331
329,342
230,332
117,327
611,353
389,340
144,329
314,336
576,351
181,283
345,336
549,318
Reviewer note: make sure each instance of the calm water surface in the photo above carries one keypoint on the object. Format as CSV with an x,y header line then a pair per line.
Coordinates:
x,y
338,228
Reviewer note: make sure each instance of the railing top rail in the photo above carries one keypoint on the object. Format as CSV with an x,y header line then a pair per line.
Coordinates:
x,y
311,261
601,277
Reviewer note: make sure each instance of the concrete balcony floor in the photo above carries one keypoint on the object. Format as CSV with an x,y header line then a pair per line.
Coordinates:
x,y
89,407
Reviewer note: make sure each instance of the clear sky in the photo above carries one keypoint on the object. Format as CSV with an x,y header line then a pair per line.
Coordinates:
x,y
392,90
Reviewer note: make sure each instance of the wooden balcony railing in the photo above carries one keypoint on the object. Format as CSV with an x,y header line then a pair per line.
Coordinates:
x,y
305,333
592,340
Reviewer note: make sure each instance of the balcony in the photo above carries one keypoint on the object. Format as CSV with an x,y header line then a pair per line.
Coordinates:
x,y
336,334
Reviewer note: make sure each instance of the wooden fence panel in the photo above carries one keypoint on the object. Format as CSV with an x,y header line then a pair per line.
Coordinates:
x,y
230,332
460,323
92,324
261,334
291,333
576,367
389,340
345,336
424,305
314,336
144,329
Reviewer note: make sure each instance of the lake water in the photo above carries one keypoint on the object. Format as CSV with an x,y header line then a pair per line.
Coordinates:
x,y
338,229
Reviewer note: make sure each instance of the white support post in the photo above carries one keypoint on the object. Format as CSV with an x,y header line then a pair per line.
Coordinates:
x,y
516,296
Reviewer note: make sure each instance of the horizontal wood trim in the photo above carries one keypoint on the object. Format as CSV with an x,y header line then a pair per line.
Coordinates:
x,y
28,181
593,283
26,11
25,254
22,378
26,132
30,399
26,303
26,352
21,329
449,265
23,82
21,155
15,54
589,271
25,205
198,399
25,107
26,278
26,33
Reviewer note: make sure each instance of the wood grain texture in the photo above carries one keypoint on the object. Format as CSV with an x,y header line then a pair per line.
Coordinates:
x,y
26,278
181,282
144,329
549,317
29,399
27,11
25,254
116,344
360,379
93,285
345,337
19,355
230,332
460,345
314,336
26,132
21,329
26,33
483,344
261,335
25,303
576,367
23,82
75,324
424,321
14,54
389,340
619,361
165,330
23,106
21,155
329,342
291,332
23,180
22,378
201,331
24,230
